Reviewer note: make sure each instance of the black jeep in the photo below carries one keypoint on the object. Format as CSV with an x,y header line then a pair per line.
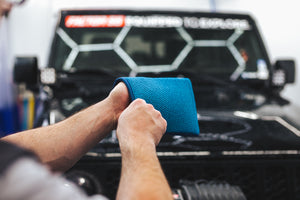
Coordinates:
x,y
249,135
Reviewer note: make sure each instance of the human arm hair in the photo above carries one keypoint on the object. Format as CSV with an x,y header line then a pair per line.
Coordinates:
x,y
140,129
61,145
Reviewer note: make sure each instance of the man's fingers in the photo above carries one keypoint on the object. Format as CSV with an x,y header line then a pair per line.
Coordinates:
x,y
139,121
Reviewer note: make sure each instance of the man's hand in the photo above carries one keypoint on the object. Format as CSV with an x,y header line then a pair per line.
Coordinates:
x,y
139,130
5,7
139,125
119,99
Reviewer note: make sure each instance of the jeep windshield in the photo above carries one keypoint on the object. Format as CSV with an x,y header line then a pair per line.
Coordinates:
x,y
206,48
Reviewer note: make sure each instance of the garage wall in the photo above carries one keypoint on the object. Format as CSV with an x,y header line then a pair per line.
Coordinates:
x,y
31,25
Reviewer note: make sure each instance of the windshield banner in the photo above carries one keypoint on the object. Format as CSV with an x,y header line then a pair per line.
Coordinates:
x,y
154,21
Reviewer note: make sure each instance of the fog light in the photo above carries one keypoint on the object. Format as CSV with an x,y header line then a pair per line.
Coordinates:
x,y
48,76
278,78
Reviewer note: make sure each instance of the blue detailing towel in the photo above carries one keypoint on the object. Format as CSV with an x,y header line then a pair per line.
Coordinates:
x,y
173,97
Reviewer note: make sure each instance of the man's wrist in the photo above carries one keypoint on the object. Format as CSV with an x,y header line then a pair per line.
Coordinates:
x,y
113,111
108,108
138,150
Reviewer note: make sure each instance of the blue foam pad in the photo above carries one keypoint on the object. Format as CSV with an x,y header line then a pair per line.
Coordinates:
x,y
173,97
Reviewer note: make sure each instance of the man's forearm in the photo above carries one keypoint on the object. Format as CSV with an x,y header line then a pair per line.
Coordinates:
x,y
62,144
142,176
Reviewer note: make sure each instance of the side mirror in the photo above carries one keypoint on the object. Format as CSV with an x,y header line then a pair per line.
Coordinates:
x,y
26,70
284,72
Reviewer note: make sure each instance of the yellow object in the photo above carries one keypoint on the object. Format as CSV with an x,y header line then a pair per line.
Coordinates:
x,y
27,108
31,104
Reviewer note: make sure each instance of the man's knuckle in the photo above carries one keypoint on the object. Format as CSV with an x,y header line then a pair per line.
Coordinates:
x,y
139,101
165,122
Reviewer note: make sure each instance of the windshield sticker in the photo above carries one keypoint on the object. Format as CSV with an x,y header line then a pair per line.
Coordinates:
x,y
216,23
262,69
154,21
94,21
262,72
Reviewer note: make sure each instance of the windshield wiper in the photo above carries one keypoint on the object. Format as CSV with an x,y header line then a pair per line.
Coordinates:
x,y
199,80
192,75
204,79
96,72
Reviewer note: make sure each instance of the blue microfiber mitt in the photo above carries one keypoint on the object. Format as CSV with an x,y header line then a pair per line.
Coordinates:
x,y
173,97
